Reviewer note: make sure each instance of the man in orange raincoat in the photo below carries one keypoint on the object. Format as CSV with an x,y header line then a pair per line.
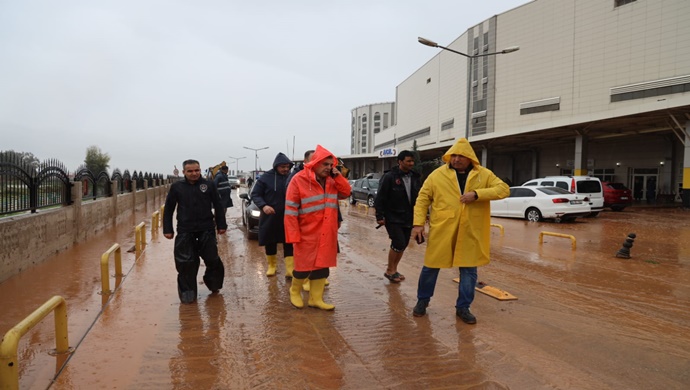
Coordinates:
x,y
311,224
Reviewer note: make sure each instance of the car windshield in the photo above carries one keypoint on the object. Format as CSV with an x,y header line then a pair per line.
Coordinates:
x,y
617,186
553,190
232,177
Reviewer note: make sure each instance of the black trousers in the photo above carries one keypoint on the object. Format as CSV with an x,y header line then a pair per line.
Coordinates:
x,y
272,249
320,273
189,247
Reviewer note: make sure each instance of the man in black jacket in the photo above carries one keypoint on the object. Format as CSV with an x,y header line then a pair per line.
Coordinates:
x,y
397,193
223,187
194,198
268,194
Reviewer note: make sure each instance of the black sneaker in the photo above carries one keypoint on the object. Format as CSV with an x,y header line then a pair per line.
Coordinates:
x,y
466,316
188,297
420,308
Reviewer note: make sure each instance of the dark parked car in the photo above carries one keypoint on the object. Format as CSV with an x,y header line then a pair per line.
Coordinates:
x,y
617,196
364,190
250,215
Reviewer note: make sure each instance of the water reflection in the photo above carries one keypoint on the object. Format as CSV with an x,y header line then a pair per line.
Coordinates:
x,y
195,365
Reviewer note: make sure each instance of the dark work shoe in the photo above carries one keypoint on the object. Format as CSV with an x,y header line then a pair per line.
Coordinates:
x,y
420,308
187,297
466,316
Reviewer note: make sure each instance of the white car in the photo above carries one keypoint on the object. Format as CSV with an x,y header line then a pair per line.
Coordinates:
x,y
234,181
538,203
588,186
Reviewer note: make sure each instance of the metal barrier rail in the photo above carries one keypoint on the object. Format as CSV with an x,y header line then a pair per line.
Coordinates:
x,y
139,239
542,234
9,365
105,277
498,226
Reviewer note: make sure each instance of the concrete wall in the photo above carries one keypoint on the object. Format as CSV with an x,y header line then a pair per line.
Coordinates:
x,y
578,50
29,239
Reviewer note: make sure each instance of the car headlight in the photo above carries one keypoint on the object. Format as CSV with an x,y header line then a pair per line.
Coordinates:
x,y
256,213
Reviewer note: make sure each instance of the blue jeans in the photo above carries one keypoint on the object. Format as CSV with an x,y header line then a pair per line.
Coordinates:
x,y
468,280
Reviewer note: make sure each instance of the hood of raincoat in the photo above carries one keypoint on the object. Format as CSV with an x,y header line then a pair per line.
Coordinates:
x,y
282,159
463,148
319,155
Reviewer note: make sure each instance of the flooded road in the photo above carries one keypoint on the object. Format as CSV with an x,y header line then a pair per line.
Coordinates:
x,y
584,319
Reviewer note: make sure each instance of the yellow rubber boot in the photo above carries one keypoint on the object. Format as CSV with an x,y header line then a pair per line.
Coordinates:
x,y
316,295
306,286
296,293
289,266
271,271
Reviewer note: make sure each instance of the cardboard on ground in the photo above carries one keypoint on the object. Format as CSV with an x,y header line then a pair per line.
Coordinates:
x,y
497,293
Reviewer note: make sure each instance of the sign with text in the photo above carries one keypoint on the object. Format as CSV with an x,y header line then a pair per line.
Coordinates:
x,y
387,153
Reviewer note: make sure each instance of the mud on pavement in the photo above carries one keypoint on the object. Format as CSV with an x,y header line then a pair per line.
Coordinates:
x,y
584,319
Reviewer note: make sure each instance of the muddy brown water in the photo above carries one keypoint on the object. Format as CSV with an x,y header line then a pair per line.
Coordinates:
x,y
584,319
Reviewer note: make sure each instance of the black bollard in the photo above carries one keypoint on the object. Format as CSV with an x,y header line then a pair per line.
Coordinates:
x,y
624,252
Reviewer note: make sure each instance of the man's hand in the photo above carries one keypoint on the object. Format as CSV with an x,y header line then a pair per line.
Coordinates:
x,y
418,233
381,221
468,197
221,231
335,172
169,236
268,210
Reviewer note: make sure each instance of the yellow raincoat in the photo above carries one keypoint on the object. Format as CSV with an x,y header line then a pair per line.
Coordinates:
x,y
459,234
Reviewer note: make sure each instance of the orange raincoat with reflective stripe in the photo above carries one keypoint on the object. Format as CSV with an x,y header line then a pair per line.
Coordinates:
x,y
311,215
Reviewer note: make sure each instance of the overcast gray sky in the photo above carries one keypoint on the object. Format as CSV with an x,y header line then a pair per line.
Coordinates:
x,y
153,83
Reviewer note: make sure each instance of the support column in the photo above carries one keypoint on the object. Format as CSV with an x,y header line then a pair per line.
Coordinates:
x,y
580,166
76,207
686,167
485,157
113,200
535,164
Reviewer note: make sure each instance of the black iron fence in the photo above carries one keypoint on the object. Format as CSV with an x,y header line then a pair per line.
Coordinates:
x,y
29,186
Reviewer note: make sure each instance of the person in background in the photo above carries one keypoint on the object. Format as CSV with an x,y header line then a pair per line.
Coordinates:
x,y
458,193
223,186
394,205
195,197
311,224
268,194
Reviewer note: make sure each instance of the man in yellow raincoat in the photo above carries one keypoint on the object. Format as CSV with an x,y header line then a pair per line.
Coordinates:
x,y
459,224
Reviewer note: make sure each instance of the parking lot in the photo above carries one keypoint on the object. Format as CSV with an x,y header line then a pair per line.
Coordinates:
x,y
584,319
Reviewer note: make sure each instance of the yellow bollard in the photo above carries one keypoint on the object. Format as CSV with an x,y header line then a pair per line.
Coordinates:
x,y
105,277
9,364
155,218
498,226
139,239
542,234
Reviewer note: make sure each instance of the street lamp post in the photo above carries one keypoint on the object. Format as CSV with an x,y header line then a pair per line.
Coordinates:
x,y
470,62
237,166
256,158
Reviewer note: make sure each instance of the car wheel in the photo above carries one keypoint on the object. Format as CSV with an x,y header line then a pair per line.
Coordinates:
x,y
617,208
592,215
352,199
533,215
370,201
244,218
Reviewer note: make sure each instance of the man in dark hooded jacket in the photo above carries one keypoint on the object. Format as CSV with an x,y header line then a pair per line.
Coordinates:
x,y
268,194
397,193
